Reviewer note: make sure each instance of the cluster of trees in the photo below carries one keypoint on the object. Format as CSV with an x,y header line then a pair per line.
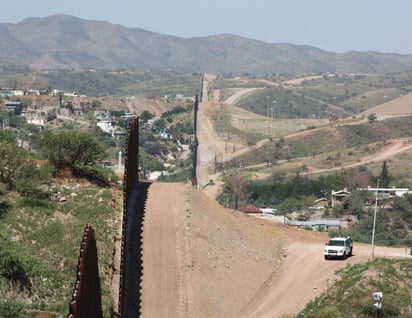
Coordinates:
x,y
26,172
29,174
154,150
177,128
285,193
297,193
19,170
70,149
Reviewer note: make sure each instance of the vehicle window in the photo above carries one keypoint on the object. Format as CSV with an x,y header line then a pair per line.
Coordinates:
x,y
336,243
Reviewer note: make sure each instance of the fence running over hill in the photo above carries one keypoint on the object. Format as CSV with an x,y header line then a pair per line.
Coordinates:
x,y
196,142
134,199
86,299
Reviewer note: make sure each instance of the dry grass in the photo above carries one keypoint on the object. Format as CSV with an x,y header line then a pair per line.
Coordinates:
x,y
267,127
331,158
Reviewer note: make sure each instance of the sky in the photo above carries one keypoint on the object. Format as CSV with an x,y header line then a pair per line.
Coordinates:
x,y
332,25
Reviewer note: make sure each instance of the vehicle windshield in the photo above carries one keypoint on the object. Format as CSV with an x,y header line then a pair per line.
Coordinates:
x,y
336,243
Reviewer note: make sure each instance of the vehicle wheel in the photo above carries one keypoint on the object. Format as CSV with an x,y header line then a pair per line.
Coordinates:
x,y
326,257
344,255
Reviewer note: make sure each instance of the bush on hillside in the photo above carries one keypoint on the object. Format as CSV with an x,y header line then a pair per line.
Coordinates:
x,y
70,148
19,172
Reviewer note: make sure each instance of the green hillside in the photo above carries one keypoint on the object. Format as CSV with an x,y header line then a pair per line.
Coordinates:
x,y
351,295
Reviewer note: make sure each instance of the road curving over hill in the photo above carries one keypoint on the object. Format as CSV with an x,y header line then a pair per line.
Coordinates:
x,y
202,260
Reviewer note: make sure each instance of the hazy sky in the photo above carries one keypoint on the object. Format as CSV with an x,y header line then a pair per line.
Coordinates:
x,y
332,25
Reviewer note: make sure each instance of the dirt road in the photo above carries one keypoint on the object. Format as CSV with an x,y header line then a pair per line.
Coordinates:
x,y
164,280
201,260
306,275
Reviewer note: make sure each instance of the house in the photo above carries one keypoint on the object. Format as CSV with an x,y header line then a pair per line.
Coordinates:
x,y
320,225
18,92
77,109
283,219
6,94
57,92
101,113
108,126
165,134
32,92
128,116
11,106
320,203
250,209
268,210
34,116
338,196
387,192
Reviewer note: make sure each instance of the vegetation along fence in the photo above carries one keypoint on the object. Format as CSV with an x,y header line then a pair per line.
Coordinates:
x,y
86,300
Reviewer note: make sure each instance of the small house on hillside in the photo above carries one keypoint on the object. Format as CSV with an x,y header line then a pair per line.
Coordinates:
x,y
11,106
34,117
319,204
387,192
283,219
250,209
338,196
320,225
268,210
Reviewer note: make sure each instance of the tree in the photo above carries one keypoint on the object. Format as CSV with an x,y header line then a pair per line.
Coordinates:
x,y
384,178
358,178
237,184
145,116
20,172
160,124
96,103
6,136
71,149
372,117
355,203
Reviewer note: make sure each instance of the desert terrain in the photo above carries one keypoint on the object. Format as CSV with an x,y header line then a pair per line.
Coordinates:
x,y
202,260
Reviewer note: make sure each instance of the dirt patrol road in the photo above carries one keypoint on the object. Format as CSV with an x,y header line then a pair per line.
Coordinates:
x,y
201,260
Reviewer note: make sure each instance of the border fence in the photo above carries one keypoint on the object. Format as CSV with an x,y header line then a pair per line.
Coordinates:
x,y
86,299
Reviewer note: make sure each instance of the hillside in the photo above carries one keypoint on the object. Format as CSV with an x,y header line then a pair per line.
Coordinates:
x,y
212,245
201,260
68,42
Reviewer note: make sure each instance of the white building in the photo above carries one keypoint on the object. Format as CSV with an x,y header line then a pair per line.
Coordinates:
x,y
108,126
387,192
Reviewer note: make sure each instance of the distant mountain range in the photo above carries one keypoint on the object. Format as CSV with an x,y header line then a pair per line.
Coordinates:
x,y
63,41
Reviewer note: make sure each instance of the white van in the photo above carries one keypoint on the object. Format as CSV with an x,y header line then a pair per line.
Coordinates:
x,y
338,247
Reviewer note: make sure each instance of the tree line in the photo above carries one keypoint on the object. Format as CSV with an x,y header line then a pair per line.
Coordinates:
x,y
297,193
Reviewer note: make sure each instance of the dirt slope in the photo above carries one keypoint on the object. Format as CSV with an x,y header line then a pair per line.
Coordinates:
x,y
201,260
401,106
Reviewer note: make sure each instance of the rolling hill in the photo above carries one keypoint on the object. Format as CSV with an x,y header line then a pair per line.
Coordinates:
x,y
63,41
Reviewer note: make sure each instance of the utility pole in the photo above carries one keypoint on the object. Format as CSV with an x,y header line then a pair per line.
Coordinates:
x,y
374,219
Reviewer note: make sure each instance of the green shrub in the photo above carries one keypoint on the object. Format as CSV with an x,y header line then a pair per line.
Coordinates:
x,y
14,267
351,295
11,309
